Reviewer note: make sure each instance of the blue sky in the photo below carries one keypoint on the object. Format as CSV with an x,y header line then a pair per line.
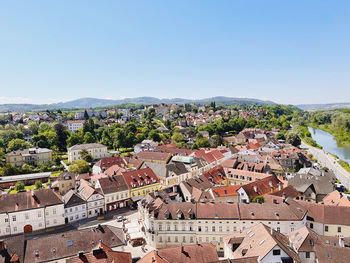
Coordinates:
x,y
285,51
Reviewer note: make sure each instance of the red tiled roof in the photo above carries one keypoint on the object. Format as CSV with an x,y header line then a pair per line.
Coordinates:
x,y
224,191
262,186
140,178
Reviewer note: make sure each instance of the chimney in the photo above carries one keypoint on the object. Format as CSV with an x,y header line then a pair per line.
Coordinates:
x,y
284,197
341,241
271,231
279,187
255,188
270,183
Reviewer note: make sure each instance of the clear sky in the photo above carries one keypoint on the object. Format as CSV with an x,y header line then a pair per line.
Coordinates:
x,y
286,51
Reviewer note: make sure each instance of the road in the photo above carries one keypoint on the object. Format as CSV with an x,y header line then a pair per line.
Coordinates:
x,y
326,159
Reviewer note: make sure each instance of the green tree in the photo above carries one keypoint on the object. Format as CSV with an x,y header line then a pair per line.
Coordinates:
x,y
38,185
62,135
33,127
280,136
17,144
202,142
8,169
154,135
217,140
293,139
75,138
79,167
86,156
177,137
19,186
89,138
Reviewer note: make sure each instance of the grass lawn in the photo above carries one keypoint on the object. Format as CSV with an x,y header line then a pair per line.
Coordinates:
x,y
55,174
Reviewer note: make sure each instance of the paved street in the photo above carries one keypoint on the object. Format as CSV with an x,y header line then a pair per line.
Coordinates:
x,y
328,160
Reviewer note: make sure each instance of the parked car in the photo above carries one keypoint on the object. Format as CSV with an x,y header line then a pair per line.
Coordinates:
x,y
121,218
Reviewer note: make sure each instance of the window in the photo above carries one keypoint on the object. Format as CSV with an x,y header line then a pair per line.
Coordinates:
x,y
220,228
278,229
6,220
199,229
213,228
160,227
54,211
206,229
15,229
160,239
175,227
227,229
311,225
27,216
191,239
168,227
39,214
307,255
221,239
169,240
176,239
13,218
184,239
326,228
207,239
276,252
339,229
200,240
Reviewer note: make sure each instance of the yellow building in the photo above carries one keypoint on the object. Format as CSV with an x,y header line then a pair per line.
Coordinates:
x,y
31,156
141,182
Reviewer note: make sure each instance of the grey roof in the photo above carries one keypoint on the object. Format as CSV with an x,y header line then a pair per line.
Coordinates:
x,y
321,184
177,168
158,168
30,151
72,199
23,177
86,146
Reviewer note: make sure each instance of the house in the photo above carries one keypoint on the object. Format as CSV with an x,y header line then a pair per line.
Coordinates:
x,y
115,191
260,241
75,207
26,212
61,247
336,198
195,253
141,182
102,165
314,248
31,156
65,182
313,187
193,189
258,188
102,253
96,150
73,126
93,198
225,193
328,220
145,145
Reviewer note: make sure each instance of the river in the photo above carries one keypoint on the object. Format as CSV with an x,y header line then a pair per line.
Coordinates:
x,y
327,141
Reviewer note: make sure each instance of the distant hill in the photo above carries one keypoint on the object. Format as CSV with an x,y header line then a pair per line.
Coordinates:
x,y
94,102
328,106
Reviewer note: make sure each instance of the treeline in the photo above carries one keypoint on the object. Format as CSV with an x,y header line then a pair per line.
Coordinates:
x,y
336,122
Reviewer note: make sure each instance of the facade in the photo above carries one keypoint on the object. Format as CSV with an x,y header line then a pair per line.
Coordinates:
x,y
75,208
187,223
260,241
73,126
30,211
31,156
115,191
65,182
94,199
141,182
96,150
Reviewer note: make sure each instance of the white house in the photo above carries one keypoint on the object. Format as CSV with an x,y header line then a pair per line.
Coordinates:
x,y
30,211
96,150
73,126
95,200
75,208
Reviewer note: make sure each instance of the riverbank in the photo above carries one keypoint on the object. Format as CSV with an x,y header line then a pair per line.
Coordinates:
x,y
341,143
326,159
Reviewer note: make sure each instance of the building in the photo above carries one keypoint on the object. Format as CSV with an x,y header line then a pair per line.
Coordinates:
x,y
260,241
115,191
30,211
196,253
328,220
157,157
141,182
314,248
104,164
31,156
145,145
61,247
174,223
258,188
65,182
73,126
96,150
7,181
75,207
225,193
102,253
94,199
